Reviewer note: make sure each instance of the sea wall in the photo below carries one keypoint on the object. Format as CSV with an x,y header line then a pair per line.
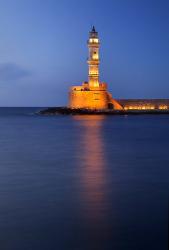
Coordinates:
x,y
144,104
100,98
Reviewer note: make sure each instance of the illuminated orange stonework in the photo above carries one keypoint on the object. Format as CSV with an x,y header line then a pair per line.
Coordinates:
x,y
92,94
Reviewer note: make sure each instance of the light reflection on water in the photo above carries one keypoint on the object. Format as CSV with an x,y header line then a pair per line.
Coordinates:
x,y
93,177
93,162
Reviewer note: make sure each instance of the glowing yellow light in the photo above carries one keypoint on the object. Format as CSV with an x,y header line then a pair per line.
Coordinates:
x,y
96,40
95,56
92,72
163,107
93,40
139,107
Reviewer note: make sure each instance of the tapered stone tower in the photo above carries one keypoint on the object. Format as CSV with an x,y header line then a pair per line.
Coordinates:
x,y
92,94
93,59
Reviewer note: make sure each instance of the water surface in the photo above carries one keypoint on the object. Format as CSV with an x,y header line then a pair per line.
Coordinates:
x,y
83,182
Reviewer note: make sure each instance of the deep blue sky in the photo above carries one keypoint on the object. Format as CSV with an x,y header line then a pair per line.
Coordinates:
x,y
43,48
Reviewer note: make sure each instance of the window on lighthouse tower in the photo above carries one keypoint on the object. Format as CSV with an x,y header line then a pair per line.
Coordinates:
x,y
93,40
95,55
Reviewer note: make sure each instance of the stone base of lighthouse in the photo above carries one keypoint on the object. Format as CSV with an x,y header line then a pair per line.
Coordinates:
x,y
91,97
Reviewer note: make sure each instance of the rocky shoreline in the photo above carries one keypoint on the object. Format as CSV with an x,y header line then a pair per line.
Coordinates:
x,y
70,111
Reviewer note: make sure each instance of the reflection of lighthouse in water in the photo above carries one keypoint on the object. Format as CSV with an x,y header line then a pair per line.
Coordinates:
x,y
93,175
93,165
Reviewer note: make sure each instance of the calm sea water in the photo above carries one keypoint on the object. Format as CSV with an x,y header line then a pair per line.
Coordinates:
x,y
83,182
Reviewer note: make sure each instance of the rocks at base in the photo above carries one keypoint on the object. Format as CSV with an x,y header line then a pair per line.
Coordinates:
x,y
70,111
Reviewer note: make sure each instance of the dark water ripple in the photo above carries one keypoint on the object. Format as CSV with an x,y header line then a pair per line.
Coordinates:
x,y
83,182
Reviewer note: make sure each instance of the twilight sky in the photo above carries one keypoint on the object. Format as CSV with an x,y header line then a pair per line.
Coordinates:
x,y
43,48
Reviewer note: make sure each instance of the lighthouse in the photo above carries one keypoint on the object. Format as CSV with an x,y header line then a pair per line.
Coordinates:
x,y
93,58
92,94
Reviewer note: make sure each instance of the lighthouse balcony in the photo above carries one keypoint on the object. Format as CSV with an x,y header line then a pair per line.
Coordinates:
x,y
93,62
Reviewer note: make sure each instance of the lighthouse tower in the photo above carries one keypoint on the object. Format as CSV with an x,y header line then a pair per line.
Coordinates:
x,y
93,59
92,94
